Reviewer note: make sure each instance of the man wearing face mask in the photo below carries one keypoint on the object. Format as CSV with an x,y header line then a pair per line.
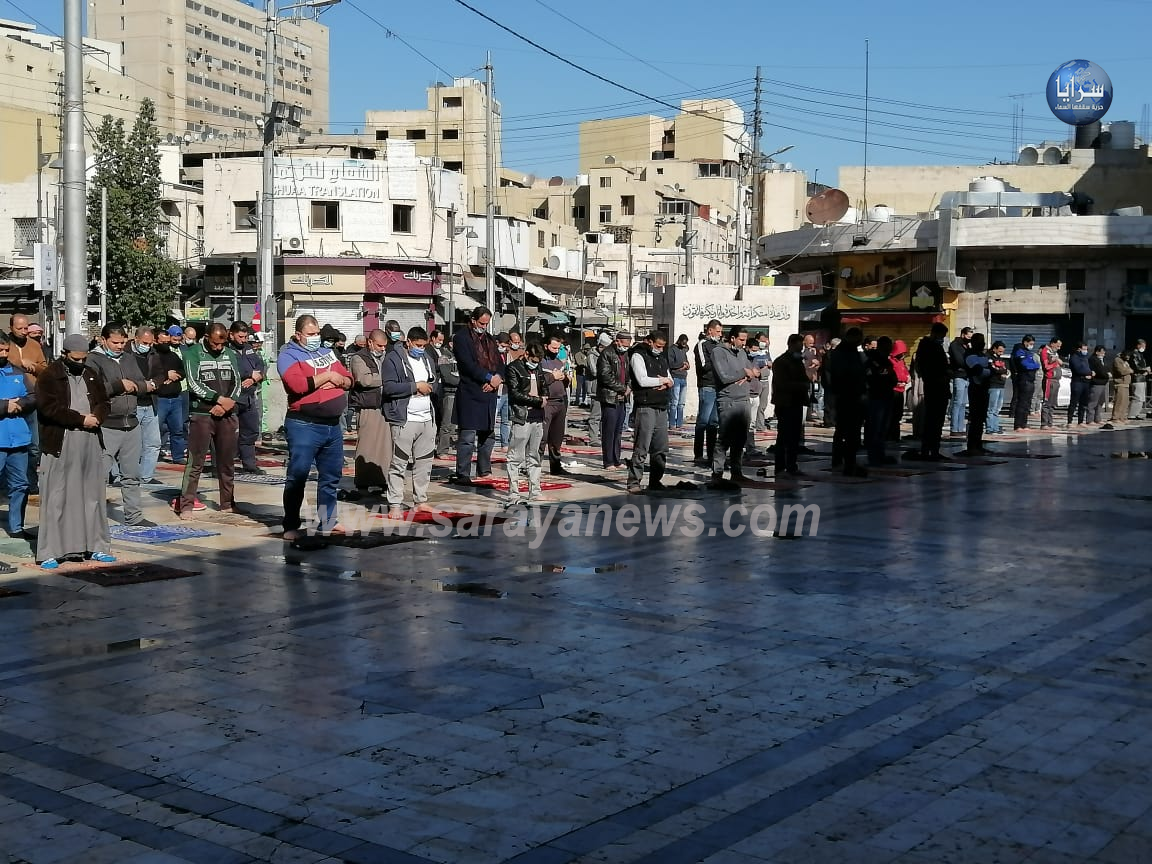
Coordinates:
x,y
17,400
28,354
71,404
503,430
409,378
149,362
1139,362
613,391
1081,369
481,374
395,334
935,374
171,413
556,411
527,396
758,352
1023,365
120,429
374,442
448,380
317,385
214,386
707,417
791,394
252,371
1052,372
595,413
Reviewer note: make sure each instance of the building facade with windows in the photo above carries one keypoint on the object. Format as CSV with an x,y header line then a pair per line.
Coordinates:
x,y
202,61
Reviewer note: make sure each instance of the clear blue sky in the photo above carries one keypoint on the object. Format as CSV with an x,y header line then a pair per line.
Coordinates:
x,y
942,84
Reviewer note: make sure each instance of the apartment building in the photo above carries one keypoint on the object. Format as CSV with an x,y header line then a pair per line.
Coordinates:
x,y
451,129
202,61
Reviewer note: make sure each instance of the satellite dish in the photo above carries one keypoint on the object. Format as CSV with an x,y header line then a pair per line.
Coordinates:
x,y
556,181
829,206
553,262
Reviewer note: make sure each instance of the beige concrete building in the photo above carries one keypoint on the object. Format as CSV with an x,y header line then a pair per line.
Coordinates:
x,y
202,61
451,129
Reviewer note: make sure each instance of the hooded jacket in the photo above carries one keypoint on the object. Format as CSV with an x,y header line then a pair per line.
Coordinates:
x,y
903,376
398,384
14,384
115,370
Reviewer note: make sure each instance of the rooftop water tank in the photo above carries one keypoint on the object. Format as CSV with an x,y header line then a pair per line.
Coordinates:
x,y
850,217
986,184
581,179
1028,156
1123,134
1052,156
879,213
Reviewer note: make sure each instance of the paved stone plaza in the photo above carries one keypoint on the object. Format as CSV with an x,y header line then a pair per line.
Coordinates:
x,y
954,669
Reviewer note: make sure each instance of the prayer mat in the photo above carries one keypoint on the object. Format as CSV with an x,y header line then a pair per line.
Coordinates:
x,y
14,547
452,516
501,483
583,451
315,542
451,460
113,575
157,534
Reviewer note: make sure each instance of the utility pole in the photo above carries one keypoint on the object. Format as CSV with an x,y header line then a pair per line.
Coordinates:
x,y
490,196
269,322
689,238
103,255
75,209
235,290
757,167
629,273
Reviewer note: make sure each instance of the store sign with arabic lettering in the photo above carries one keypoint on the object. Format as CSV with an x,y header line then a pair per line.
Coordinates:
x,y
328,179
735,312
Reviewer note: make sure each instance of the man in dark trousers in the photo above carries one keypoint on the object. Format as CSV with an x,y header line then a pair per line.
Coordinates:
x,y
933,369
850,386
651,388
253,370
481,374
1023,366
957,362
707,415
791,394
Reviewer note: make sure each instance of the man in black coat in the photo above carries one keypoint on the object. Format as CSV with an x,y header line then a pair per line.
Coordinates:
x,y
481,374
934,371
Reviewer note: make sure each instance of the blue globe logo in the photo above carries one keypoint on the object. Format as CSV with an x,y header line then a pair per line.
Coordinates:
x,y
1079,92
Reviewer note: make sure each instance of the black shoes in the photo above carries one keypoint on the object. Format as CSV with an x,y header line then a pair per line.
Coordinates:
x,y
460,480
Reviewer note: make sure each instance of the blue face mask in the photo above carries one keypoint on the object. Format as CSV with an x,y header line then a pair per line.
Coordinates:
x,y
312,342
415,353
328,344
395,335
115,355
143,349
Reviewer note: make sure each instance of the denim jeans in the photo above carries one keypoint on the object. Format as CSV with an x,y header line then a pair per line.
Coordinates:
x,y
995,403
312,443
676,403
503,427
959,403
170,416
14,472
150,440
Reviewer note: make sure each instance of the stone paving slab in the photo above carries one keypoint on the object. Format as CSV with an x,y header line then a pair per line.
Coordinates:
x,y
952,669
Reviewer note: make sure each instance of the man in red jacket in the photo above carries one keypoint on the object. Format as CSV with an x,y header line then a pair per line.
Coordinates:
x,y
317,385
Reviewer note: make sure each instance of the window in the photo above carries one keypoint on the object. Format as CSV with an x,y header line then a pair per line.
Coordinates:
x,y
325,215
453,102
454,166
1022,279
605,214
709,169
997,280
605,182
674,207
579,211
540,239
540,212
244,216
1049,278
450,134
613,279
1075,280
25,233
627,205
416,134
402,218
555,240
381,134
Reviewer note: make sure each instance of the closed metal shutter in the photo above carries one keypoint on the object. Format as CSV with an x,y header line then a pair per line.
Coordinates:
x,y
408,315
1011,334
344,315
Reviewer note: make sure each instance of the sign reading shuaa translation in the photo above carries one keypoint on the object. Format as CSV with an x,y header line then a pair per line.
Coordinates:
x,y
1079,92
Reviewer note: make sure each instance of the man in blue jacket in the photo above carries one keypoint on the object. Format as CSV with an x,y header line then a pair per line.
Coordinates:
x,y
408,379
17,401
1024,366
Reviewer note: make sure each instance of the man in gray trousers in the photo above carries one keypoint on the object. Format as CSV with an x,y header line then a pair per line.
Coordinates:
x,y
1139,363
651,388
733,370
123,439
594,419
408,379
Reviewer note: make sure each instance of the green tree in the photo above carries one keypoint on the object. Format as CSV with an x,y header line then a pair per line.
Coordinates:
x,y
142,280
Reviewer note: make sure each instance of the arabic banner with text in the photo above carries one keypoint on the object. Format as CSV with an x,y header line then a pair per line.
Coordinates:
x,y
328,179
412,282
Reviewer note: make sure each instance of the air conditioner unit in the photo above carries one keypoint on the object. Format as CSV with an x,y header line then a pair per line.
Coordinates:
x,y
292,246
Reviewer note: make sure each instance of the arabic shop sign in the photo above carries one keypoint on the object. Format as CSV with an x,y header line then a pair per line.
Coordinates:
x,y
735,312
328,179
1079,92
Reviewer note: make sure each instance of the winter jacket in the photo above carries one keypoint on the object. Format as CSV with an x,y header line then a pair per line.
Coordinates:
x,y
728,365
612,376
791,387
879,375
1139,364
298,368
677,357
1081,368
56,414
1050,363
476,409
1023,363
398,384
957,358
26,353
366,377
210,377
931,365
849,379
703,357
523,407
163,359
903,376
1099,370
1122,371
14,384
248,360
116,370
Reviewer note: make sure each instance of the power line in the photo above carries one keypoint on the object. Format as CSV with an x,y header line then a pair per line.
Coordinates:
x,y
394,35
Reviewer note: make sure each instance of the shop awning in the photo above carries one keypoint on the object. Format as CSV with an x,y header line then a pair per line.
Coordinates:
x,y
852,317
555,318
460,300
813,308
475,283
522,284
